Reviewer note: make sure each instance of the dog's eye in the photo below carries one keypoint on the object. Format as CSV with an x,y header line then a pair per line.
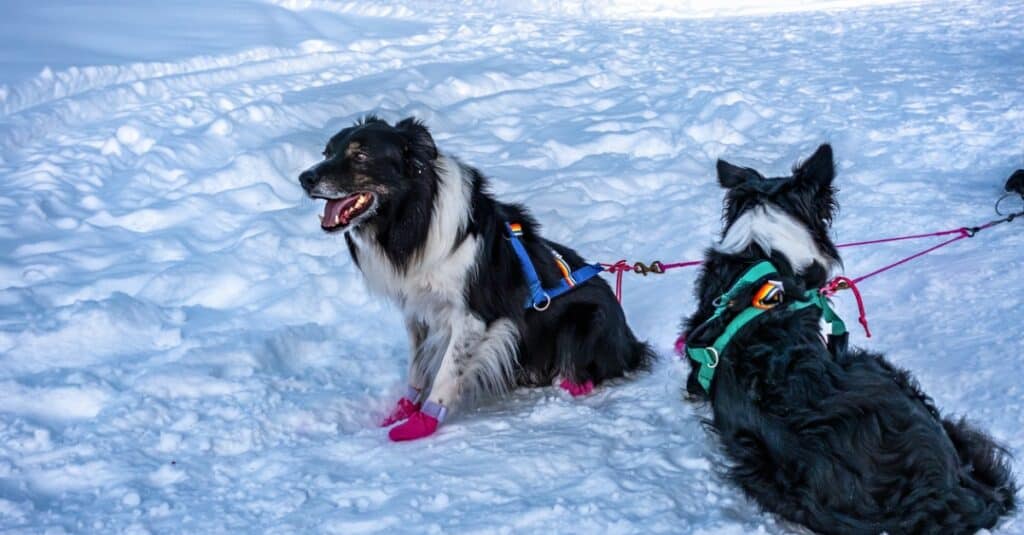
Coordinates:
x,y
360,157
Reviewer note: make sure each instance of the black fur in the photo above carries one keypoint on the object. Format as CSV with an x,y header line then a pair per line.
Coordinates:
x,y
836,439
1015,184
582,336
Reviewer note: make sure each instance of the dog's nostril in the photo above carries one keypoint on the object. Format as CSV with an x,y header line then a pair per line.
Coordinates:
x,y
307,178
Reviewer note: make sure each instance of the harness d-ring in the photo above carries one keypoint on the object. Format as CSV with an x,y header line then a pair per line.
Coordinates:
x,y
547,303
712,351
1010,195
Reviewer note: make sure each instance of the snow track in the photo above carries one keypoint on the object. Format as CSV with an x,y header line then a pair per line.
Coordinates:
x,y
182,350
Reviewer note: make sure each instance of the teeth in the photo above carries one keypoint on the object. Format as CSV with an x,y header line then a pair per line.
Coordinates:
x,y
360,201
337,219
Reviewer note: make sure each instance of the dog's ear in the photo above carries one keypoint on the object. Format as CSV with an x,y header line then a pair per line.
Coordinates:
x,y
732,176
419,150
819,170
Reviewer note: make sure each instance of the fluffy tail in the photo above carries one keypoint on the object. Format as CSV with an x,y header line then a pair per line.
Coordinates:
x,y
988,490
641,356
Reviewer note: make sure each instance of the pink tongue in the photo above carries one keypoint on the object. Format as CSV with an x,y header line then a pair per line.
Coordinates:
x,y
334,209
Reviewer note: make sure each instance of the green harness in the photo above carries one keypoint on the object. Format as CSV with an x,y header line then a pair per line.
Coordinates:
x,y
708,356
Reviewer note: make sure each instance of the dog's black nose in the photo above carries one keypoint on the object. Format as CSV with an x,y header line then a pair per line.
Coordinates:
x,y
307,179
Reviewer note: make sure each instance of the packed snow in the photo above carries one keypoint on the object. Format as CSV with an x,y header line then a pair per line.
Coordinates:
x,y
183,350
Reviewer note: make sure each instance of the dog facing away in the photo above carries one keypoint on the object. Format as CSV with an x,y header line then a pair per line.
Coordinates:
x,y
836,439
425,232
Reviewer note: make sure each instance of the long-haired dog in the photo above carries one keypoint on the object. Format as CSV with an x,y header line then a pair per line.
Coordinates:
x,y
837,439
425,232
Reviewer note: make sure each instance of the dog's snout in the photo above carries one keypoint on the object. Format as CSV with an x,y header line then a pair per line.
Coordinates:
x,y
308,179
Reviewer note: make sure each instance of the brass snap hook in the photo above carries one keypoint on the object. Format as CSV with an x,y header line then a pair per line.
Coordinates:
x,y
655,267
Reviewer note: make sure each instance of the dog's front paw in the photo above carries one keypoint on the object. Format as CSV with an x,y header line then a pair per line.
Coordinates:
x,y
402,411
420,424
577,390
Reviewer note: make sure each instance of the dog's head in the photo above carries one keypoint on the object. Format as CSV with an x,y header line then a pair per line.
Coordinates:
x,y
368,169
791,214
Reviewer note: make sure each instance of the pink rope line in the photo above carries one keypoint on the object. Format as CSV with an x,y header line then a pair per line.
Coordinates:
x,y
622,266
963,233
843,283
902,238
618,269
688,263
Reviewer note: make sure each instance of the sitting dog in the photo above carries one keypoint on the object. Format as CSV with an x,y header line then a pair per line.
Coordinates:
x,y
470,274
839,440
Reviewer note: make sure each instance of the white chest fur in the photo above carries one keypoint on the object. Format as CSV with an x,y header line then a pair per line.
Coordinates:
x,y
436,277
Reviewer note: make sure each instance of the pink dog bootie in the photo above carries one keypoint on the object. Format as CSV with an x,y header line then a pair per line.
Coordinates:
x,y
577,390
420,424
406,407
681,346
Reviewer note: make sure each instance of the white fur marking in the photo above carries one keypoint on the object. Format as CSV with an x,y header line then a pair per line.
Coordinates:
x,y
459,352
437,270
493,364
774,230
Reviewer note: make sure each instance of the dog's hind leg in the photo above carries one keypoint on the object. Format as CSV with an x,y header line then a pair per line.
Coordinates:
x,y
573,348
595,344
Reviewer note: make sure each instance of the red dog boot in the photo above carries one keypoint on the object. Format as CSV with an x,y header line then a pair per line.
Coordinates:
x,y
406,407
577,390
420,424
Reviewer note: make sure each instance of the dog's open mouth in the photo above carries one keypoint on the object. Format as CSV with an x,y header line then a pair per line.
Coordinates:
x,y
339,213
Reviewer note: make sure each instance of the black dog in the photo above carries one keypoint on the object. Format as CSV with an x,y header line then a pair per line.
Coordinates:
x,y
425,232
836,439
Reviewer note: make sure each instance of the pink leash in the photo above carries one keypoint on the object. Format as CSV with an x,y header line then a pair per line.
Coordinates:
x,y
835,285
843,283
655,267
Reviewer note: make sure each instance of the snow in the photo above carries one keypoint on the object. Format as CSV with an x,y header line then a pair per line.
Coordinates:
x,y
182,350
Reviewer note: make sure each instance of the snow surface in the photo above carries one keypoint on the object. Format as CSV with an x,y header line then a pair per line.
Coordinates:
x,y
182,349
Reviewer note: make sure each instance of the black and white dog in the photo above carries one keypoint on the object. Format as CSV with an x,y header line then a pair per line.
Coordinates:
x,y
425,232
836,439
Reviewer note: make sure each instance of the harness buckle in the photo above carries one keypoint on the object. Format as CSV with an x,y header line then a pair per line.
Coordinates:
x,y
769,296
547,303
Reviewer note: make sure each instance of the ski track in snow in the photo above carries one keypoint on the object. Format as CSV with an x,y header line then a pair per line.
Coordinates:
x,y
182,350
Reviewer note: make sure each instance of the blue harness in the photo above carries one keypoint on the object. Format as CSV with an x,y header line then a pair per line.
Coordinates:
x,y
540,297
